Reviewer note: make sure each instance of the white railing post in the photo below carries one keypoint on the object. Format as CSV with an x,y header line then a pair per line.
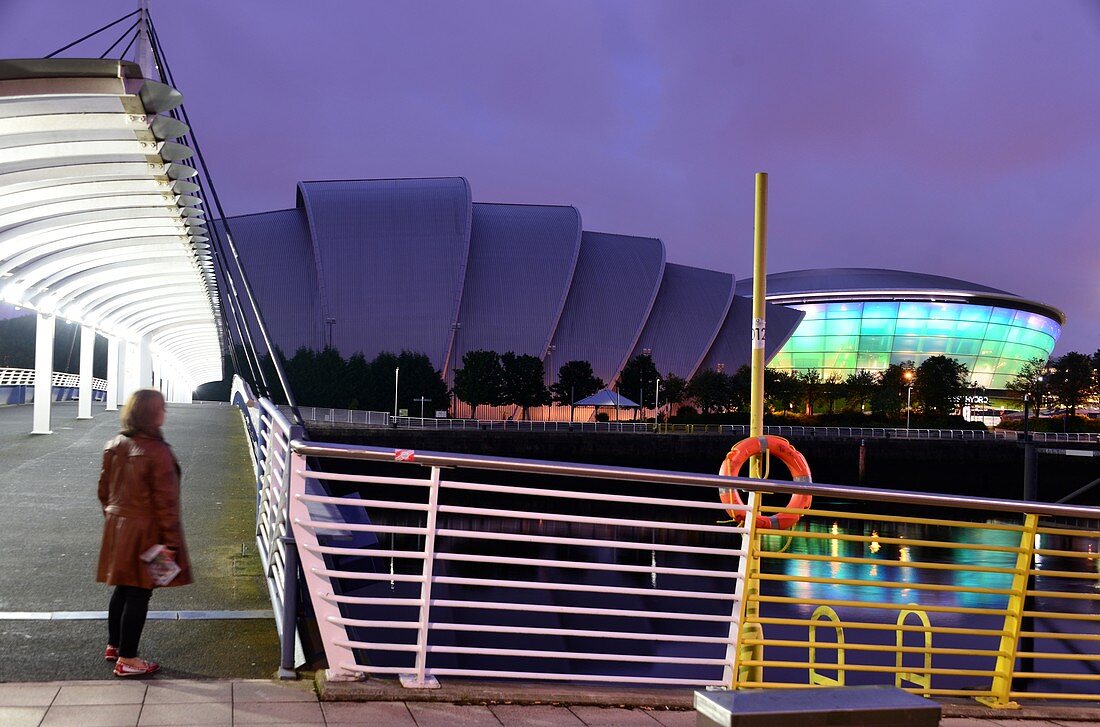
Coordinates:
x,y
419,679
341,659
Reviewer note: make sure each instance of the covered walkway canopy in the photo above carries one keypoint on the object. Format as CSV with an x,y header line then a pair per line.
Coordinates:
x,y
99,225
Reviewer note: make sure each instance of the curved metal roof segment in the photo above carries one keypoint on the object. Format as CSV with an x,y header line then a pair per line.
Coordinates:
x,y
97,222
611,295
808,286
687,315
522,259
390,256
731,348
276,251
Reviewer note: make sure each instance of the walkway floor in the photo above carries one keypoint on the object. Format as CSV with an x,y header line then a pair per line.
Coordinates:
x,y
52,612
168,702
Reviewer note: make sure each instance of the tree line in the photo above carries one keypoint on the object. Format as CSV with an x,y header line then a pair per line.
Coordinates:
x,y
939,386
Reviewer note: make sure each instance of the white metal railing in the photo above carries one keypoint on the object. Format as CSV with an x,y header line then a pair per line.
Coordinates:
x,y
426,574
341,416
270,434
25,377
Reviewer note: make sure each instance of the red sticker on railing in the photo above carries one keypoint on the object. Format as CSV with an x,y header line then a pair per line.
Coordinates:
x,y
404,455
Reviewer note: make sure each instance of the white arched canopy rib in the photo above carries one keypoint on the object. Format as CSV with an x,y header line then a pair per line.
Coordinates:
x,y
98,223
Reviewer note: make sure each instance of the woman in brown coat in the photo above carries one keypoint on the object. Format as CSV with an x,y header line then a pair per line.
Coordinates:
x,y
139,492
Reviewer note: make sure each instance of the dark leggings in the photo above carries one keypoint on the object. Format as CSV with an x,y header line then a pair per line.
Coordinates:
x,y
126,618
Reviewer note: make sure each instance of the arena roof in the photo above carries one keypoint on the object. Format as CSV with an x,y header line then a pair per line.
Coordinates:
x,y
835,284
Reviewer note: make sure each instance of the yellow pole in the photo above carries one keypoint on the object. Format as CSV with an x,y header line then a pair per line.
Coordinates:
x,y
759,272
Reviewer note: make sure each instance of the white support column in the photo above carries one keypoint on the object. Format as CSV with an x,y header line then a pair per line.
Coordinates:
x,y
112,373
130,371
87,350
145,366
43,373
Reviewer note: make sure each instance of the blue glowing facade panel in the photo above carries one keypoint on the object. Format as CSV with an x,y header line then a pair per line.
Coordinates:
x,y
686,317
276,253
391,260
994,342
612,292
733,346
521,263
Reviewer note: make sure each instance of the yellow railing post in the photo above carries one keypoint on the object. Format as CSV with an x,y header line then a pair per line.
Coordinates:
x,y
921,680
748,624
817,679
1006,660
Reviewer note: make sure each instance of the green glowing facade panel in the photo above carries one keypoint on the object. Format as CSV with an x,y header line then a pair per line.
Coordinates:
x,y
838,339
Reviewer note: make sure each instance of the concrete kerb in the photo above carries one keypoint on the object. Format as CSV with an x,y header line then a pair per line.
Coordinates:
x,y
463,691
460,691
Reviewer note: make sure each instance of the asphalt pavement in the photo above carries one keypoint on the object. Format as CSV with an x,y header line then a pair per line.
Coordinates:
x,y
52,612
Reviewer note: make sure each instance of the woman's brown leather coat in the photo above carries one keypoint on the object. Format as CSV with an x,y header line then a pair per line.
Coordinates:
x,y
139,488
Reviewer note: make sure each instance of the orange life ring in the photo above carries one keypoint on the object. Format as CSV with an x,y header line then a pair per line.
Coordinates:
x,y
796,463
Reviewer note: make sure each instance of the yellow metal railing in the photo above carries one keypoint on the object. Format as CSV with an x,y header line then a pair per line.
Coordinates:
x,y
996,606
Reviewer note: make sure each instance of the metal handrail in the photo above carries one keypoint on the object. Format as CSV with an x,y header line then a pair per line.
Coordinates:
x,y
574,469
25,377
270,433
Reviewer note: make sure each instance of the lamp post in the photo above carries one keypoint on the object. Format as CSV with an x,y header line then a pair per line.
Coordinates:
x,y
656,404
422,399
549,373
396,380
455,328
908,397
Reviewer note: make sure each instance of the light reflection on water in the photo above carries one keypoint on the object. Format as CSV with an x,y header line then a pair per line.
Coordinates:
x,y
887,562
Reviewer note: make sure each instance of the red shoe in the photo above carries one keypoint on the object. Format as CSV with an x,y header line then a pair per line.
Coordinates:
x,y
110,653
129,670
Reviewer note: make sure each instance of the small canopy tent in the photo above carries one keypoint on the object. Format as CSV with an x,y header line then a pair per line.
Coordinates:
x,y
607,398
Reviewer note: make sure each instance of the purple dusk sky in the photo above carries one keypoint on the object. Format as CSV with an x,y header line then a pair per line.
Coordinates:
x,y
947,137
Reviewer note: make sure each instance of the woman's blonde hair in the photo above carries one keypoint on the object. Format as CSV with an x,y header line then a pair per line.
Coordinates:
x,y
140,410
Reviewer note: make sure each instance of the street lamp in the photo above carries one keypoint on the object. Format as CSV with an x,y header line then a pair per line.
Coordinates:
x,y
422,399
549,373
455,328
908,376
656,405
396,379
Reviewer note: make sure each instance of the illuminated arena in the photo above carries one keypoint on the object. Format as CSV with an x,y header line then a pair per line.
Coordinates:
x,y
867,319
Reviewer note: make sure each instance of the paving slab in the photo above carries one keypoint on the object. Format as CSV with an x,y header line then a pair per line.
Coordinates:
x,y
204,713
103,715
391,714
614,717
536,715
22,716
186,691
119,693
27,695
435,714
277,713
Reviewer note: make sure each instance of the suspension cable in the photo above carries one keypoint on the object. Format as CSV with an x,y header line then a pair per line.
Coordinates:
x,y
94,32
128,45
258,379
126,33
159,52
